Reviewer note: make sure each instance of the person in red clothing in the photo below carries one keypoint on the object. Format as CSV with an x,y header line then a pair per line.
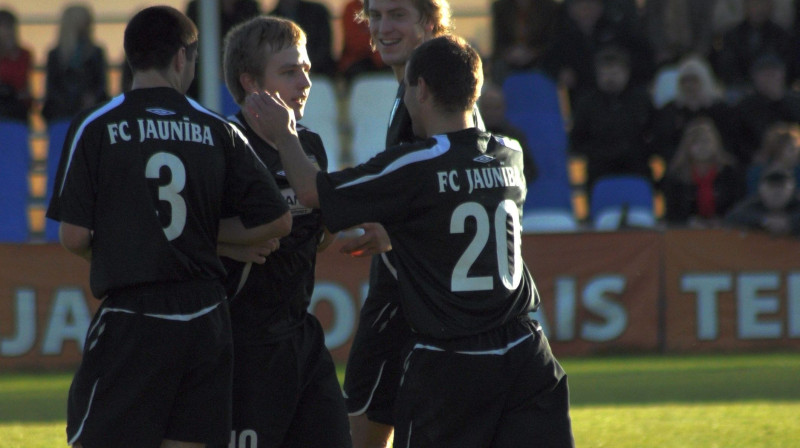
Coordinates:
x,y
703,179
15,69
357,54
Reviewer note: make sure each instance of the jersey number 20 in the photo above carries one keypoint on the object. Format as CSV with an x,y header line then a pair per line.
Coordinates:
x,y
461,281
170,193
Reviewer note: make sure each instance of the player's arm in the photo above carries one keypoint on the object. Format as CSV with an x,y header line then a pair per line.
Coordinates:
x,y
374,241
76,239
327,239
232,230
254,253
274,122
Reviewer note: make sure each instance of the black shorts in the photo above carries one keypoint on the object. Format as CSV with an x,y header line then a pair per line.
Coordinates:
x,y
286,394
514,395
374,364
157,364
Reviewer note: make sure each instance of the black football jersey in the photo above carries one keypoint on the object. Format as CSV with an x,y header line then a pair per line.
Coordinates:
x,y
151,172
269,300
452,206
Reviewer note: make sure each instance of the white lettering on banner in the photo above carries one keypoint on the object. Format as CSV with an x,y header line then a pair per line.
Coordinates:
x,y
750,304
69,320
756,297
706,286
344,312
793,290
25,329
598,296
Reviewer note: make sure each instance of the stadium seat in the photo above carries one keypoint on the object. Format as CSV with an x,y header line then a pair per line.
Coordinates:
x,y
227,104
532,105
622,201
56,134
665,86
15,160
548,220
322,116
371,100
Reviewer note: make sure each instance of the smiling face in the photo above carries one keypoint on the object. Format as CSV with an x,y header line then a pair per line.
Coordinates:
x,y
396,29
286,74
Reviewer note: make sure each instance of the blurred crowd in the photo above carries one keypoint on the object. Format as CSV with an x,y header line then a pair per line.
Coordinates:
x,y
708,88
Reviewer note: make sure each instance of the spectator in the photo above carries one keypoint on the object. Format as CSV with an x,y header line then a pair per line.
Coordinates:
x,y
15,68
76,67
522,32
703,180
698,94
770,103
492,106
358,56
585,31
781,148
742,45
774,209
612,122
315,19
677,28
231,12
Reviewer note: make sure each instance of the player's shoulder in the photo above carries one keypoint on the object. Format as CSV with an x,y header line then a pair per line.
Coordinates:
x,y
507,142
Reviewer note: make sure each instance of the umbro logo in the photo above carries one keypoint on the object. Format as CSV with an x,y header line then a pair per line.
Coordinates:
x,y
484,158
281,173
159,111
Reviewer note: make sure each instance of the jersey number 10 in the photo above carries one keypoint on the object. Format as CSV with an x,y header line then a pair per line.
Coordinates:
x,y
460,280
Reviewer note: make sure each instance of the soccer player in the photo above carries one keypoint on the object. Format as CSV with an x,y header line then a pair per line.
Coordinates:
x,y
285,389
148,183
478,371
374,365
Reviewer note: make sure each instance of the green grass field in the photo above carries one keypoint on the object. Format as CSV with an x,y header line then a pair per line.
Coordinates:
x,y
723,401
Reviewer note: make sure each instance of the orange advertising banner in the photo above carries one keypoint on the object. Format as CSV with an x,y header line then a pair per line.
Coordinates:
x,y
599,290
599,294
604,292
731,290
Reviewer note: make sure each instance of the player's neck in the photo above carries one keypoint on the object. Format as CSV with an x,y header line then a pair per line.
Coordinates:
x,y
150,78
440,123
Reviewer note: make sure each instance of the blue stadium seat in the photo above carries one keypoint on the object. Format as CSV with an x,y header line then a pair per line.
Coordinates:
x,y
622,201
56,134
532,105
15,161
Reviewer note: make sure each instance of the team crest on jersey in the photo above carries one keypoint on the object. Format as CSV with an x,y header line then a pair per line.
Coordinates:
x,y
484,158
159,111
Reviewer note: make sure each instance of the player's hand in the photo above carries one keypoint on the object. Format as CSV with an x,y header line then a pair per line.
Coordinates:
x,y
269,116
374,241
256,253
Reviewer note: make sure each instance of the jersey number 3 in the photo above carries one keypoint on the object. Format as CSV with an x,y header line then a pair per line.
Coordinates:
x,y
170,193
461,281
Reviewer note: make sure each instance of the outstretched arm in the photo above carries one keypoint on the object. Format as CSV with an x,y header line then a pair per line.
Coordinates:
x,y
274,122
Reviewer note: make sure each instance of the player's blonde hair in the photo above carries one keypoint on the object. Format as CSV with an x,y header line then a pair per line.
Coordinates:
x,y
249,45
436,12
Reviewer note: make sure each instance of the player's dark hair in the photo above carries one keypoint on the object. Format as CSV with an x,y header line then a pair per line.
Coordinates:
x,y
7,18
436,12
451,69
155,34
249,46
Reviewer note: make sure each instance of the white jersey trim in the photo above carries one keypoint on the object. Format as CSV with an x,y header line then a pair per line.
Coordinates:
x,y
441,147
371,393
113,103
